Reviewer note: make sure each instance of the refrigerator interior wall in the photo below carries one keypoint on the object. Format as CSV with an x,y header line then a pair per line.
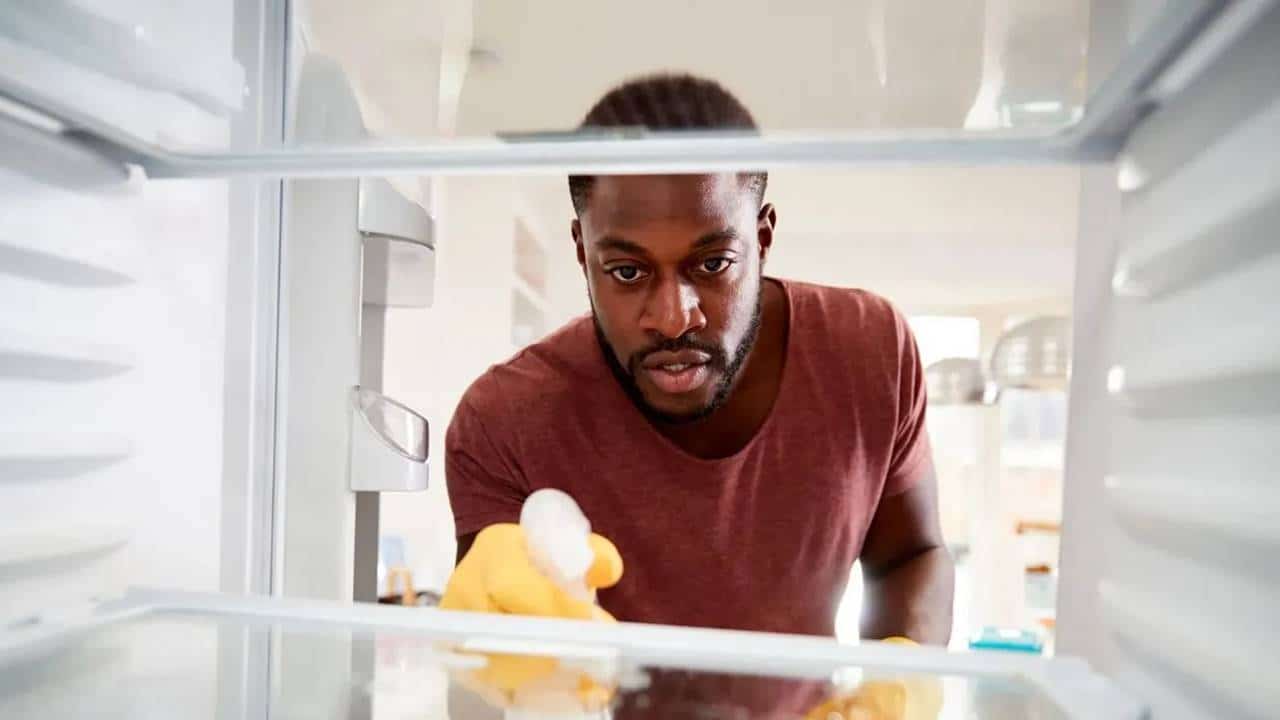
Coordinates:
x,y
138,332
112,337
1171,493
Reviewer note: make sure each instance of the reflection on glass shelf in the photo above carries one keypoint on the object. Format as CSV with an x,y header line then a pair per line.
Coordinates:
x,y
815,65
177,664
424,70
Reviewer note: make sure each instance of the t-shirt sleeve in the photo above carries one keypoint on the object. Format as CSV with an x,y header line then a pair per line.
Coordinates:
x,y
912,457
483,487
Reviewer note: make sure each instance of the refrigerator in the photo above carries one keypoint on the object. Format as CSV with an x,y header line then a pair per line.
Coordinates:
x,y
200,235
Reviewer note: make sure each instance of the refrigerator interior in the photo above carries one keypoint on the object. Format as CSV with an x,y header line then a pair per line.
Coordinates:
x,y
159,310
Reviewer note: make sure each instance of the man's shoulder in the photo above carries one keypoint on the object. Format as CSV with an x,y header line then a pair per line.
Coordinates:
x,y
540,377
854,314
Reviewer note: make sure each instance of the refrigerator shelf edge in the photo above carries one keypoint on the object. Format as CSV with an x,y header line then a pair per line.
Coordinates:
x,y
1069,683
138,52
1121,101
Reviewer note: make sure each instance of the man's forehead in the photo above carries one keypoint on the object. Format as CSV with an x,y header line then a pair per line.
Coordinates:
x,y
620,201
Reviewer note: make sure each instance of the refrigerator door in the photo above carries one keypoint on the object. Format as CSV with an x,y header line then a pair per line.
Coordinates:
x,y
155,655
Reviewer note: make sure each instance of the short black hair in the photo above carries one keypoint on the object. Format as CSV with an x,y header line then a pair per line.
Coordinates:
x,y
667,101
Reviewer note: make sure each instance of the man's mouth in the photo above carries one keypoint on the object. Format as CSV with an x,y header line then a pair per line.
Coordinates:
x,y
678,378
676,373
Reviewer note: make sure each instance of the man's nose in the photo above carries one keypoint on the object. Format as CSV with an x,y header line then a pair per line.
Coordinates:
x,y
673,309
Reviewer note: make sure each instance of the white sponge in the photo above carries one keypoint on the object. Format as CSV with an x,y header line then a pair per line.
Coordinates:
x,y
557,535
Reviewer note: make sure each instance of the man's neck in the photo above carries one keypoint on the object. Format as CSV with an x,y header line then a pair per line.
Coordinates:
x,y
734,424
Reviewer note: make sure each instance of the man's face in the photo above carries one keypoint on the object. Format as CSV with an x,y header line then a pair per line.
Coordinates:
x,y
673,267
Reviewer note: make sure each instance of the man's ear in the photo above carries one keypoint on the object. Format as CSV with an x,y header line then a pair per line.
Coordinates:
x,y
766,222
575,229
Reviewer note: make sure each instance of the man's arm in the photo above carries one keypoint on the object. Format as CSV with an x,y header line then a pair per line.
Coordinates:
x,y
481,492
464,544
908,575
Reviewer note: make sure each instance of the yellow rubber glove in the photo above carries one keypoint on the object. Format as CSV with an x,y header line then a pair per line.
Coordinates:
x,y
498,575
905,698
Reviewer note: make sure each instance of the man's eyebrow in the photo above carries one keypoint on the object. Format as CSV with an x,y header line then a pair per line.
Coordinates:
x,y
613,242
726,235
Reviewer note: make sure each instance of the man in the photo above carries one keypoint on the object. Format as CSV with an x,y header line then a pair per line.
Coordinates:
x,y
742,440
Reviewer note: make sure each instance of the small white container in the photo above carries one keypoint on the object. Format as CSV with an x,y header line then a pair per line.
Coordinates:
x,y
388,444
399,263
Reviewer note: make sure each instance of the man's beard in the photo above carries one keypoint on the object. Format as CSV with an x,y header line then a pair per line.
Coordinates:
x,y
728,365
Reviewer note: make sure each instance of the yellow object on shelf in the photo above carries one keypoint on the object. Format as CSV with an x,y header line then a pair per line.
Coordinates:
x,y
403,577
898,698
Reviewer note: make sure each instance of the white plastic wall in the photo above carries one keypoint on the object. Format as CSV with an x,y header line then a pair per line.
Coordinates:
x,y
137,332
1170,580
144,506
113,342
141,461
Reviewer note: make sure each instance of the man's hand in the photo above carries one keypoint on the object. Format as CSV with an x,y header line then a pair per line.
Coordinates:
x,y
899,699
497,575
544,685
908,574
906,698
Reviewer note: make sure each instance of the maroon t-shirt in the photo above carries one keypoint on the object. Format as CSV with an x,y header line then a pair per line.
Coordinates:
x,y
762,540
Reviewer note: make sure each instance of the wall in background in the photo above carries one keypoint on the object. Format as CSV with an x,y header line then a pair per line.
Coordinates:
x,y
434,354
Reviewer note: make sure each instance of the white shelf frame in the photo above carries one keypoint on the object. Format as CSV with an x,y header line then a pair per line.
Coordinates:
x,y
1068,682
1180,43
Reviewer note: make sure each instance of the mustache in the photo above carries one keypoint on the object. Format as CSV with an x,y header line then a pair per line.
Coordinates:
x,y
685,342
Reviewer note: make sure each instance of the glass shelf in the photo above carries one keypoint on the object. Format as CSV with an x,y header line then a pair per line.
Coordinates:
x,y
156,655
830,83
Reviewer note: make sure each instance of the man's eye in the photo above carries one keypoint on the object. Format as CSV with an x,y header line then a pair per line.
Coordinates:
x,y
715,265
626,274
